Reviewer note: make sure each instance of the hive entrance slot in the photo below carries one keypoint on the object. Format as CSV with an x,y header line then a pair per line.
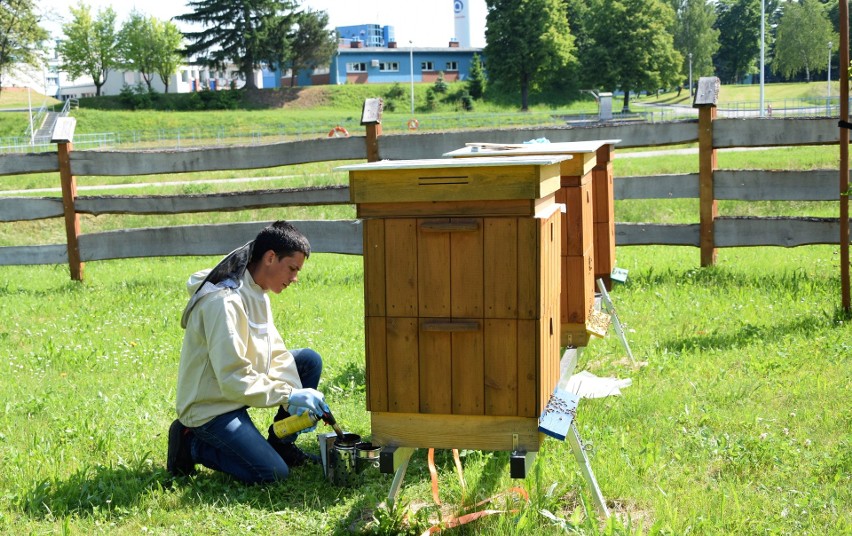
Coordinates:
x,y
441,180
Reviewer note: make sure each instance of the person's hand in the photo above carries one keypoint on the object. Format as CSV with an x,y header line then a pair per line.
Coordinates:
x,y
310,399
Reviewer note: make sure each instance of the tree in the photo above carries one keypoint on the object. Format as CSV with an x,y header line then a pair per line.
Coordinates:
x,y
476,78
168,58
244,32
137,44
797,50
312,43
694,33
91,45
738,22
631,46
526,41
20,35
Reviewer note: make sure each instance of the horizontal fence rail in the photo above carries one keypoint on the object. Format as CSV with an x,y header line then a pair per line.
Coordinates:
x,y
344,236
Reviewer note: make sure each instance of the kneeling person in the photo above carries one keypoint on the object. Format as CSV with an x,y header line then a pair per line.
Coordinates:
x,y
233,358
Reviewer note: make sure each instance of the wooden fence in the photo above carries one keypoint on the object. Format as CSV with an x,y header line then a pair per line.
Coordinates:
x,y
709,185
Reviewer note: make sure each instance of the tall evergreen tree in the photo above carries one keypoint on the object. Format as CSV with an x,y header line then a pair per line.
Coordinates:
x,y
476,78
312,43
244,32
631,47
526,41
797,50
695,34
20,35
91,45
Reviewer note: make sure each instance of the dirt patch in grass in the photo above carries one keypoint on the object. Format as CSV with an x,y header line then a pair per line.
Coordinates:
x,y
289,97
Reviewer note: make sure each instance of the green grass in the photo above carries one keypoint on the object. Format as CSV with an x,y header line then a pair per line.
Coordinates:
x,y
735,425
326,106
751,93
737,422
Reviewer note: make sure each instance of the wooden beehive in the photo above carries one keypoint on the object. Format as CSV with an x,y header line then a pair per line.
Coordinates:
x,y
588,224
462,284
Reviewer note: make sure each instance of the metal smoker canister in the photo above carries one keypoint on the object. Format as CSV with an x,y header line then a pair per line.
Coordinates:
x,y
342,460
366,455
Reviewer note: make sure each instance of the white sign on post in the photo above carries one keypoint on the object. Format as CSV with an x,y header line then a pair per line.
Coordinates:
x,y
63,131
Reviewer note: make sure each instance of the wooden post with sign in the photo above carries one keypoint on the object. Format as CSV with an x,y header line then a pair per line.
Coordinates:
x,y
63,135
371,118
706,98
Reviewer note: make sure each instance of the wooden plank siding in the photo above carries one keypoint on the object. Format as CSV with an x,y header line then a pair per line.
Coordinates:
x,y
30,208
341,236
25,164
221,202
121,163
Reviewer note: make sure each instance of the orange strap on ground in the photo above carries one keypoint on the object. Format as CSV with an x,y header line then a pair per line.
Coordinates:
x,y
472,516
434,474
459,471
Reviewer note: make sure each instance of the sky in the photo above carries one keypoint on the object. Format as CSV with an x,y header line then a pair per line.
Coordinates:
x,y
427,23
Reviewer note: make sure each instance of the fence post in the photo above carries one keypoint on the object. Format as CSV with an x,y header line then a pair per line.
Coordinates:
x,y
371,118
63,134
706,98
845,297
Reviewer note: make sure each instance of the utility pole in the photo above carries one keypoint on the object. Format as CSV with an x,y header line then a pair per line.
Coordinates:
x,y
762,40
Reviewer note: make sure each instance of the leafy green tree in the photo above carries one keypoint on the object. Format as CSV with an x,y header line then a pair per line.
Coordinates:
x,y
694,33
312,43
168,41
631,46
476,78
137,44
91,45
738,22
797,50
20,35
244,32
526,42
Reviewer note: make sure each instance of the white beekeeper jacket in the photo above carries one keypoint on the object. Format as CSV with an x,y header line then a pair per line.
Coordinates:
x,y
232,354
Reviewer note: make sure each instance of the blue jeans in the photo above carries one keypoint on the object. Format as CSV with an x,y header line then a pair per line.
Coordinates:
x,y
231,443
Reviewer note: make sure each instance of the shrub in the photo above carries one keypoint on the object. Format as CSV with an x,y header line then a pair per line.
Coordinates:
x,y
431,99
440,86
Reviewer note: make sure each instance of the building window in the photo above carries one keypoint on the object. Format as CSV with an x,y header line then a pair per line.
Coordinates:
x,y
426,66
356,67
389,66
452,66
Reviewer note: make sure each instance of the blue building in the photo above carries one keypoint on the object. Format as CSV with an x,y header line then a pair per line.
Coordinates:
x,y
368,54
390,64
370,35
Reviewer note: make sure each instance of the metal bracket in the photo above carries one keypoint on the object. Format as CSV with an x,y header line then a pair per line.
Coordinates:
x,y
395,459
586,469
606,301
520,463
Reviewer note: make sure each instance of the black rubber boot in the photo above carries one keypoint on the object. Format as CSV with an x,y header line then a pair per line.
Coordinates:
x,y
179,458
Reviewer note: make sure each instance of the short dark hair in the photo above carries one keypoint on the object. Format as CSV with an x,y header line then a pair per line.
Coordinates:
x,y
282,238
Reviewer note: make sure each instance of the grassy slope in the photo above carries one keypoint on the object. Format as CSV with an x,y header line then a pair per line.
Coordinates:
x,y
332,104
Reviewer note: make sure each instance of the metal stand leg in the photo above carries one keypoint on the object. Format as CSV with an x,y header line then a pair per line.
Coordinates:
x,y
586,468
401,457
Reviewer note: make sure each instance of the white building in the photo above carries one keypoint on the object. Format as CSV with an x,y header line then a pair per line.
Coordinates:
x,y
50,80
